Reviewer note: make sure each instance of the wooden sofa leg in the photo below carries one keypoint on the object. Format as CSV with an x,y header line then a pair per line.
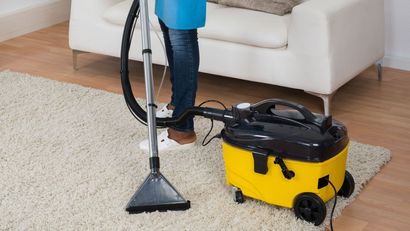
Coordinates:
x,y
327,101
75,58
379,66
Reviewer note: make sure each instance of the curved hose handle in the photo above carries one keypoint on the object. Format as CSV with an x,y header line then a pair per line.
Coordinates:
x,y
265,106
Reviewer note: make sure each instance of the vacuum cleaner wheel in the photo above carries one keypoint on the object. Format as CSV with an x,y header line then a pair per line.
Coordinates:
x,y
310,207
237,195
348,186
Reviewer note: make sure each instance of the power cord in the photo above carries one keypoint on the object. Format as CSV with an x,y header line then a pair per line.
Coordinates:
x,y
166,59
204,143
209,132
165,66
334,205
213,101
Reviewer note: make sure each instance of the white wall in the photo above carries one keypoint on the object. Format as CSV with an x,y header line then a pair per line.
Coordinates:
x,y
397,29
19,17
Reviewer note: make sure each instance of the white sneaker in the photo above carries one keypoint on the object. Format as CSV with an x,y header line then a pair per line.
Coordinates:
x,y
166,144
164,112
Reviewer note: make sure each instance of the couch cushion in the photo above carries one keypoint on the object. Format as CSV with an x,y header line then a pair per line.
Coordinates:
x,y
246,27
117,14
223,23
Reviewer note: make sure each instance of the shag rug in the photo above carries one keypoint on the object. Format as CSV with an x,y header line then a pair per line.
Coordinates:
x,y
69,160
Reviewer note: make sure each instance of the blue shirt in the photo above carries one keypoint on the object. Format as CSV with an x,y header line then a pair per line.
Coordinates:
x,y
181,14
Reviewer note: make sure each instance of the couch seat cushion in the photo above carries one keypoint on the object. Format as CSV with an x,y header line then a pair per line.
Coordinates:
x,y
223,23
247,27
117,14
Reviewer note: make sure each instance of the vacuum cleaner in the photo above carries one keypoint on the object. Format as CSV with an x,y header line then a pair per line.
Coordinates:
x,y
286,157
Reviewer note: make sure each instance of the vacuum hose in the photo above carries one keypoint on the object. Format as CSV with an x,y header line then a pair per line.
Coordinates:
x,y
141,114
226,116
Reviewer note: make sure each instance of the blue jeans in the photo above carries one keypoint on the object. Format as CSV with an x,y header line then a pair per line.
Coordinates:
x,y
183,58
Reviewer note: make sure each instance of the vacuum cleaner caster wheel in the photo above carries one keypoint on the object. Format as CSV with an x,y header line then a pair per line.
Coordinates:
x,y
348,186
310,207
237,195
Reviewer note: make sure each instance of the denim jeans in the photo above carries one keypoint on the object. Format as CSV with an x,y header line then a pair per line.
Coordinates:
x,y
183,58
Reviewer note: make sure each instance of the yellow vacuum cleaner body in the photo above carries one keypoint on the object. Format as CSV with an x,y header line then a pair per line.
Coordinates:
x,y
289,158
272,186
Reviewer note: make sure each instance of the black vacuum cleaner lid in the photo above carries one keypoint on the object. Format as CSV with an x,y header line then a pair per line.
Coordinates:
x,y
288,138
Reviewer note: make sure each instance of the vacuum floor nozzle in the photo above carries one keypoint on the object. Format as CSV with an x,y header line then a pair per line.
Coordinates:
x,y
156,194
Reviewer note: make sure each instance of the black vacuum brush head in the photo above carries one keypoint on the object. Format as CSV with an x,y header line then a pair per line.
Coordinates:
x,y
156,194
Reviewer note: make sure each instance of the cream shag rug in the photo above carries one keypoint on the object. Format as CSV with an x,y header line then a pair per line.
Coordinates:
x,y
69,160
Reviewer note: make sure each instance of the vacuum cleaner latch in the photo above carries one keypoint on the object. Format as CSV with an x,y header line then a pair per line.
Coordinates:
x,y
260,162
286,172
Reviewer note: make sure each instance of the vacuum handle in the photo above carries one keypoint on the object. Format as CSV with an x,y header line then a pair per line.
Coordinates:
x,y
266,105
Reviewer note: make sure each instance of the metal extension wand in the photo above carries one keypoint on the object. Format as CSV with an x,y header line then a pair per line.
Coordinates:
x,y
156,192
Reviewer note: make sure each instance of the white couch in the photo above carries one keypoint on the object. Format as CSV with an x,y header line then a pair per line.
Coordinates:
x,y
317,48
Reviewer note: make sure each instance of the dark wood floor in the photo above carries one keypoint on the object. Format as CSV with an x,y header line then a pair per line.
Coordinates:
x,y
376,113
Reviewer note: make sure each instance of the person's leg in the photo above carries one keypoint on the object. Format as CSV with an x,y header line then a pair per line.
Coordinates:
x,y
183,57
185,53
169,53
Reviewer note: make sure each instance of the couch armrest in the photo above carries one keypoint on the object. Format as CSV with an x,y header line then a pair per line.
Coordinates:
x,y
319,26
347,34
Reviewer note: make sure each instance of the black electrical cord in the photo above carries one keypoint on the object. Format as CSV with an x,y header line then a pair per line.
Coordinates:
x,y
212,122
213,101
209,132
138,112
334,205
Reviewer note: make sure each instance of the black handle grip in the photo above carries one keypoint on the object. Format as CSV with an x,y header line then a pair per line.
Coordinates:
x,y
266,105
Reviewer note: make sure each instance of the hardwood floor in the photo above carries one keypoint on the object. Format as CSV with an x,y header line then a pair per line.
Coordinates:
x,y
376,113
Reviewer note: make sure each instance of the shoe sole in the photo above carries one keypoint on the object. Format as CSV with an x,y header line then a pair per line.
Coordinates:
x,y
173,148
